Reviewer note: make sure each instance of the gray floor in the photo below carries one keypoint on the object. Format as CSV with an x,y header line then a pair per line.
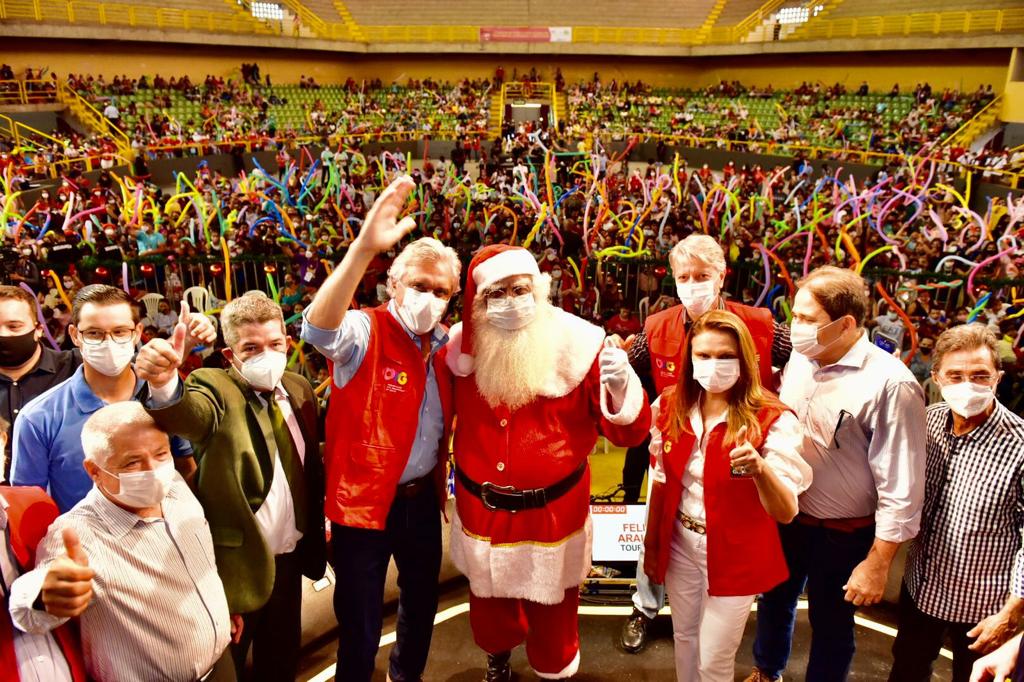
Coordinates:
x,y
455,658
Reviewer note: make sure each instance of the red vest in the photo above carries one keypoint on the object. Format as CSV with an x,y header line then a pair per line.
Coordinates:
x,y
371,424
744,551
666,340
30,512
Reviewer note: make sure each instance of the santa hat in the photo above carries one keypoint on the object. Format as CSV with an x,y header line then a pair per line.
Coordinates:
x,y
490,264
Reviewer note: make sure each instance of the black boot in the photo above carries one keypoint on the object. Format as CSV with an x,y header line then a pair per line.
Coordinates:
x,y
498,667
634,632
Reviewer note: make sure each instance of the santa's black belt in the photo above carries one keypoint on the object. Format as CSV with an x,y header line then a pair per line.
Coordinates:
x,y
510,499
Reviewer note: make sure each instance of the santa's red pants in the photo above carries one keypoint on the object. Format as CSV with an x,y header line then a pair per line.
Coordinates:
x,y
551,632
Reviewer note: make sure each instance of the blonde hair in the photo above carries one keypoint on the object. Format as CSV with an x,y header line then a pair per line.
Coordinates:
x,y
701,247
746,397
251,308
424,250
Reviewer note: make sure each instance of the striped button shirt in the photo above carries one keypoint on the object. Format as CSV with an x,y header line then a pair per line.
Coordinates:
x,y
969,557
158,610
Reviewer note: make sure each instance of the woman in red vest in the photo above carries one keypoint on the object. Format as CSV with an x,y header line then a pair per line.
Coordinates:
x,y
727,469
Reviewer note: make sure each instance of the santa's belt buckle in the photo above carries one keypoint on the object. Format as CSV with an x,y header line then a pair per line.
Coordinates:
x,y
487,488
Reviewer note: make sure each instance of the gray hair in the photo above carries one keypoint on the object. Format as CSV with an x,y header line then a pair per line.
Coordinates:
x,y
424,250
104,425
251,308
701,247
965,337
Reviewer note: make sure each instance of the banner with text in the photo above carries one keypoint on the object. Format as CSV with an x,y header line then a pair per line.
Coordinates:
x,y
525,34
618,531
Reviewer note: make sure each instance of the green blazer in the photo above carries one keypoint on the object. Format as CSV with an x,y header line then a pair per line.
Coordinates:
x,y
234,448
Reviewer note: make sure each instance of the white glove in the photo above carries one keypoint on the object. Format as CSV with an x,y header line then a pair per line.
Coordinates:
x,y
614,370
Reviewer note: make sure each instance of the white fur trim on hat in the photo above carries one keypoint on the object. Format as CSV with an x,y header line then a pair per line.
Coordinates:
x,y
502,265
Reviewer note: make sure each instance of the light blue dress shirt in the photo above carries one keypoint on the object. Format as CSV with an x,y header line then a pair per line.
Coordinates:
x,y
47,449
346,347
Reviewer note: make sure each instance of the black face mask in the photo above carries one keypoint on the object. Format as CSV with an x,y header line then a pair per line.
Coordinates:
x,y
15,351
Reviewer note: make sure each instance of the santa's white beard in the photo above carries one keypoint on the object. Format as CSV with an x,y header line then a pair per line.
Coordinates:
x,y
512,366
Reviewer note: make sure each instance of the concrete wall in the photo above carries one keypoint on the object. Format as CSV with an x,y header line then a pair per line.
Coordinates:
x,y
963,69
45,121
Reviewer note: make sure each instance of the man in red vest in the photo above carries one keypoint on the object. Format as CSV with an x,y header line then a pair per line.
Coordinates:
x,y
698,266
386,427
534,387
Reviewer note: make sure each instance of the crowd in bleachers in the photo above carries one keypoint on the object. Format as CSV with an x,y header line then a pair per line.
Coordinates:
x,y
812,114
172,116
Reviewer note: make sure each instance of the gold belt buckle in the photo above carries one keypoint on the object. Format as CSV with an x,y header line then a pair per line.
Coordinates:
x,y
692,524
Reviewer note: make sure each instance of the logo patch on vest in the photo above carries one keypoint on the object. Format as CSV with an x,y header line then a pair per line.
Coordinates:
x,y
666,368
395,380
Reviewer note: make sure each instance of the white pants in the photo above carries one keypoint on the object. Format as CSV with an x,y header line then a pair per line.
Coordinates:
x,y
707,629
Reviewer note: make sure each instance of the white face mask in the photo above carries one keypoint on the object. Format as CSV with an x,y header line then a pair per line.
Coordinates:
x,y
716,376
805,338
421,311
264,371
968,399
697,297
512,313
142,489
108,358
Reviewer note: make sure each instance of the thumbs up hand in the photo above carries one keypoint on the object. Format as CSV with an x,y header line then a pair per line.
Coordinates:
x,y
200,330
67,587
159,360
744,460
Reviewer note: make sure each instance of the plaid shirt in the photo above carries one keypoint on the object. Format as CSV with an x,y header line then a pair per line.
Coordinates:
x,y
968,557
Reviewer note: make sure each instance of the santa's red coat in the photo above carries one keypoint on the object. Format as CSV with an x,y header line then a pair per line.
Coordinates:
x,y
539,553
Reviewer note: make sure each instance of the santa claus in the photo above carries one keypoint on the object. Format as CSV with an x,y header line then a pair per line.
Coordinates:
x,y
533,388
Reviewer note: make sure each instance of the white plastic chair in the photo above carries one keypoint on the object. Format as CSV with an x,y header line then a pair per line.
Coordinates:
x,y
198,299
152,304
208,351
645,308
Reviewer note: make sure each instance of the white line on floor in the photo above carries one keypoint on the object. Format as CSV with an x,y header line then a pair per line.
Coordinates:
x,y
587,610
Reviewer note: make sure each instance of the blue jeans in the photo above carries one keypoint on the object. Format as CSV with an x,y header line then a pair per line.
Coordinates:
x,y
648,598
822,560
360,558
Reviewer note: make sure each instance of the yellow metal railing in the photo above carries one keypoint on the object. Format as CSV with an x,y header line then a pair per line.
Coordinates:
x,y
25,134
966,131
126,14
167,18
89,115
421,34
315,23
931,23
28,92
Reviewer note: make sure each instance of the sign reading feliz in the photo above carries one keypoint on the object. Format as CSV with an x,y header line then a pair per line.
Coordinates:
x,y
618,531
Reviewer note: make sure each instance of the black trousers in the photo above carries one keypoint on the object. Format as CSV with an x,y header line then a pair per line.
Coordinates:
x,y
361,556
918,642
275,631
634,468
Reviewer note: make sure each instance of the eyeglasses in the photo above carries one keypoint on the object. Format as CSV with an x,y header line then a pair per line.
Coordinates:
x,y
95,337
960,377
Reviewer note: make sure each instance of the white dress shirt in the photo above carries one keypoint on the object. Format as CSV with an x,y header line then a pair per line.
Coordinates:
x,y
864,436
780,450
158,609
276,516
40,659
